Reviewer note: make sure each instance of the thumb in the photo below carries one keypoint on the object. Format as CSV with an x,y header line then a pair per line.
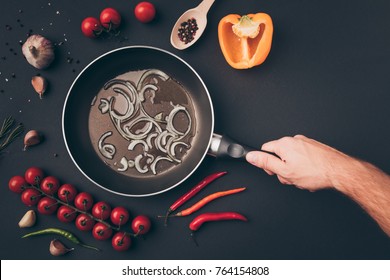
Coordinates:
x,y
265,161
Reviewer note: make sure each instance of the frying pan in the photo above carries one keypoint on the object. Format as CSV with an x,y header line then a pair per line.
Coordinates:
x,y
88,83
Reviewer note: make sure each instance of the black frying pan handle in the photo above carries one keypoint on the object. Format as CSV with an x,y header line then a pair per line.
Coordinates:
x,y
224,147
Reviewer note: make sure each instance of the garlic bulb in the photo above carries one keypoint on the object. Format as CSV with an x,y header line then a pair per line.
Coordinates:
x,y
28,220
38,51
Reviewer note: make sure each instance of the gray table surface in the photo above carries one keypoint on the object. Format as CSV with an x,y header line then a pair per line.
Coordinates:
x,y
327,76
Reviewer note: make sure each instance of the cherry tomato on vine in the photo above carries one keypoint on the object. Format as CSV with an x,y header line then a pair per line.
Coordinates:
x,y
101,231
17,184
50,185
145,12
66,214
83,201
91,27
67,193
34,175
84,222
119,216
101,210
121,241
110,18
141,225
30,197
47,205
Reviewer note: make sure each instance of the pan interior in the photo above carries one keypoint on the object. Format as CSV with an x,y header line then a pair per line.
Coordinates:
x,y
142,123
82,94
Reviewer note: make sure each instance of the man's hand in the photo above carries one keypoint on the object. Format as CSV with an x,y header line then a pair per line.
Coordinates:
x,y
311,165
303,162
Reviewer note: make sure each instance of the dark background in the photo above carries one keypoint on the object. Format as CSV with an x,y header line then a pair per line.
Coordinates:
x,y
327,76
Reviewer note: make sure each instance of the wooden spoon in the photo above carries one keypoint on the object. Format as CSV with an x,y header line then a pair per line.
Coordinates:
x,y
200,15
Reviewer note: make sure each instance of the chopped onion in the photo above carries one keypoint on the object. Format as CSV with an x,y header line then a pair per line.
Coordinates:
x,y
107,150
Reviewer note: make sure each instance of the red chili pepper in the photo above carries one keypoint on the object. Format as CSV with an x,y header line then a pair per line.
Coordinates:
x,y
211,217
206,200
192,192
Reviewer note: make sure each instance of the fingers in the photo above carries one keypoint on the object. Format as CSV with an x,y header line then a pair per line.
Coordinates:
x,y
275,146
299,136
269,172
269,163
283,180
271,146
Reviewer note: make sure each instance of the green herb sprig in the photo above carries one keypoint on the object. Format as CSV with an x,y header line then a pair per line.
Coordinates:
x,y
9,132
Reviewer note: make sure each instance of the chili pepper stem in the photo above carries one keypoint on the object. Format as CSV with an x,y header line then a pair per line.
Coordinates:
x,y
89,247
167,216
192,235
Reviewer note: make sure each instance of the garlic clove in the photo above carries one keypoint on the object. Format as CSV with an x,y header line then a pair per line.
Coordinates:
x,y
38,51
32,138
39,84
57,248
28,220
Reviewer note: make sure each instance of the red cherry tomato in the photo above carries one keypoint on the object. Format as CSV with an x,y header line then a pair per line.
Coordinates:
x,y
50,185
121,241
84,222
47,205
101,231
34,175
110,18
83,201
145,12
101,210
66,214
67,193
141,225
119,216
17,184
91,27
30,197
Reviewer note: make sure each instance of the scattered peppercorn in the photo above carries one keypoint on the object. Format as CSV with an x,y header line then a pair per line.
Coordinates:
x,y
187,30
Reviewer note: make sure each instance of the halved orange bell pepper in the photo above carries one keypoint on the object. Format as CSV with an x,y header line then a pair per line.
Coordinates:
x,y
246,40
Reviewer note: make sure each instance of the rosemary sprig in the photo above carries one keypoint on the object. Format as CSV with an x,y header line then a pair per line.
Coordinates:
x,y
7,123
9,132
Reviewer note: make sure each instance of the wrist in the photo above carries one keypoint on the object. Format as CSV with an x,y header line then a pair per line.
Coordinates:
x,y
346,172
354,174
